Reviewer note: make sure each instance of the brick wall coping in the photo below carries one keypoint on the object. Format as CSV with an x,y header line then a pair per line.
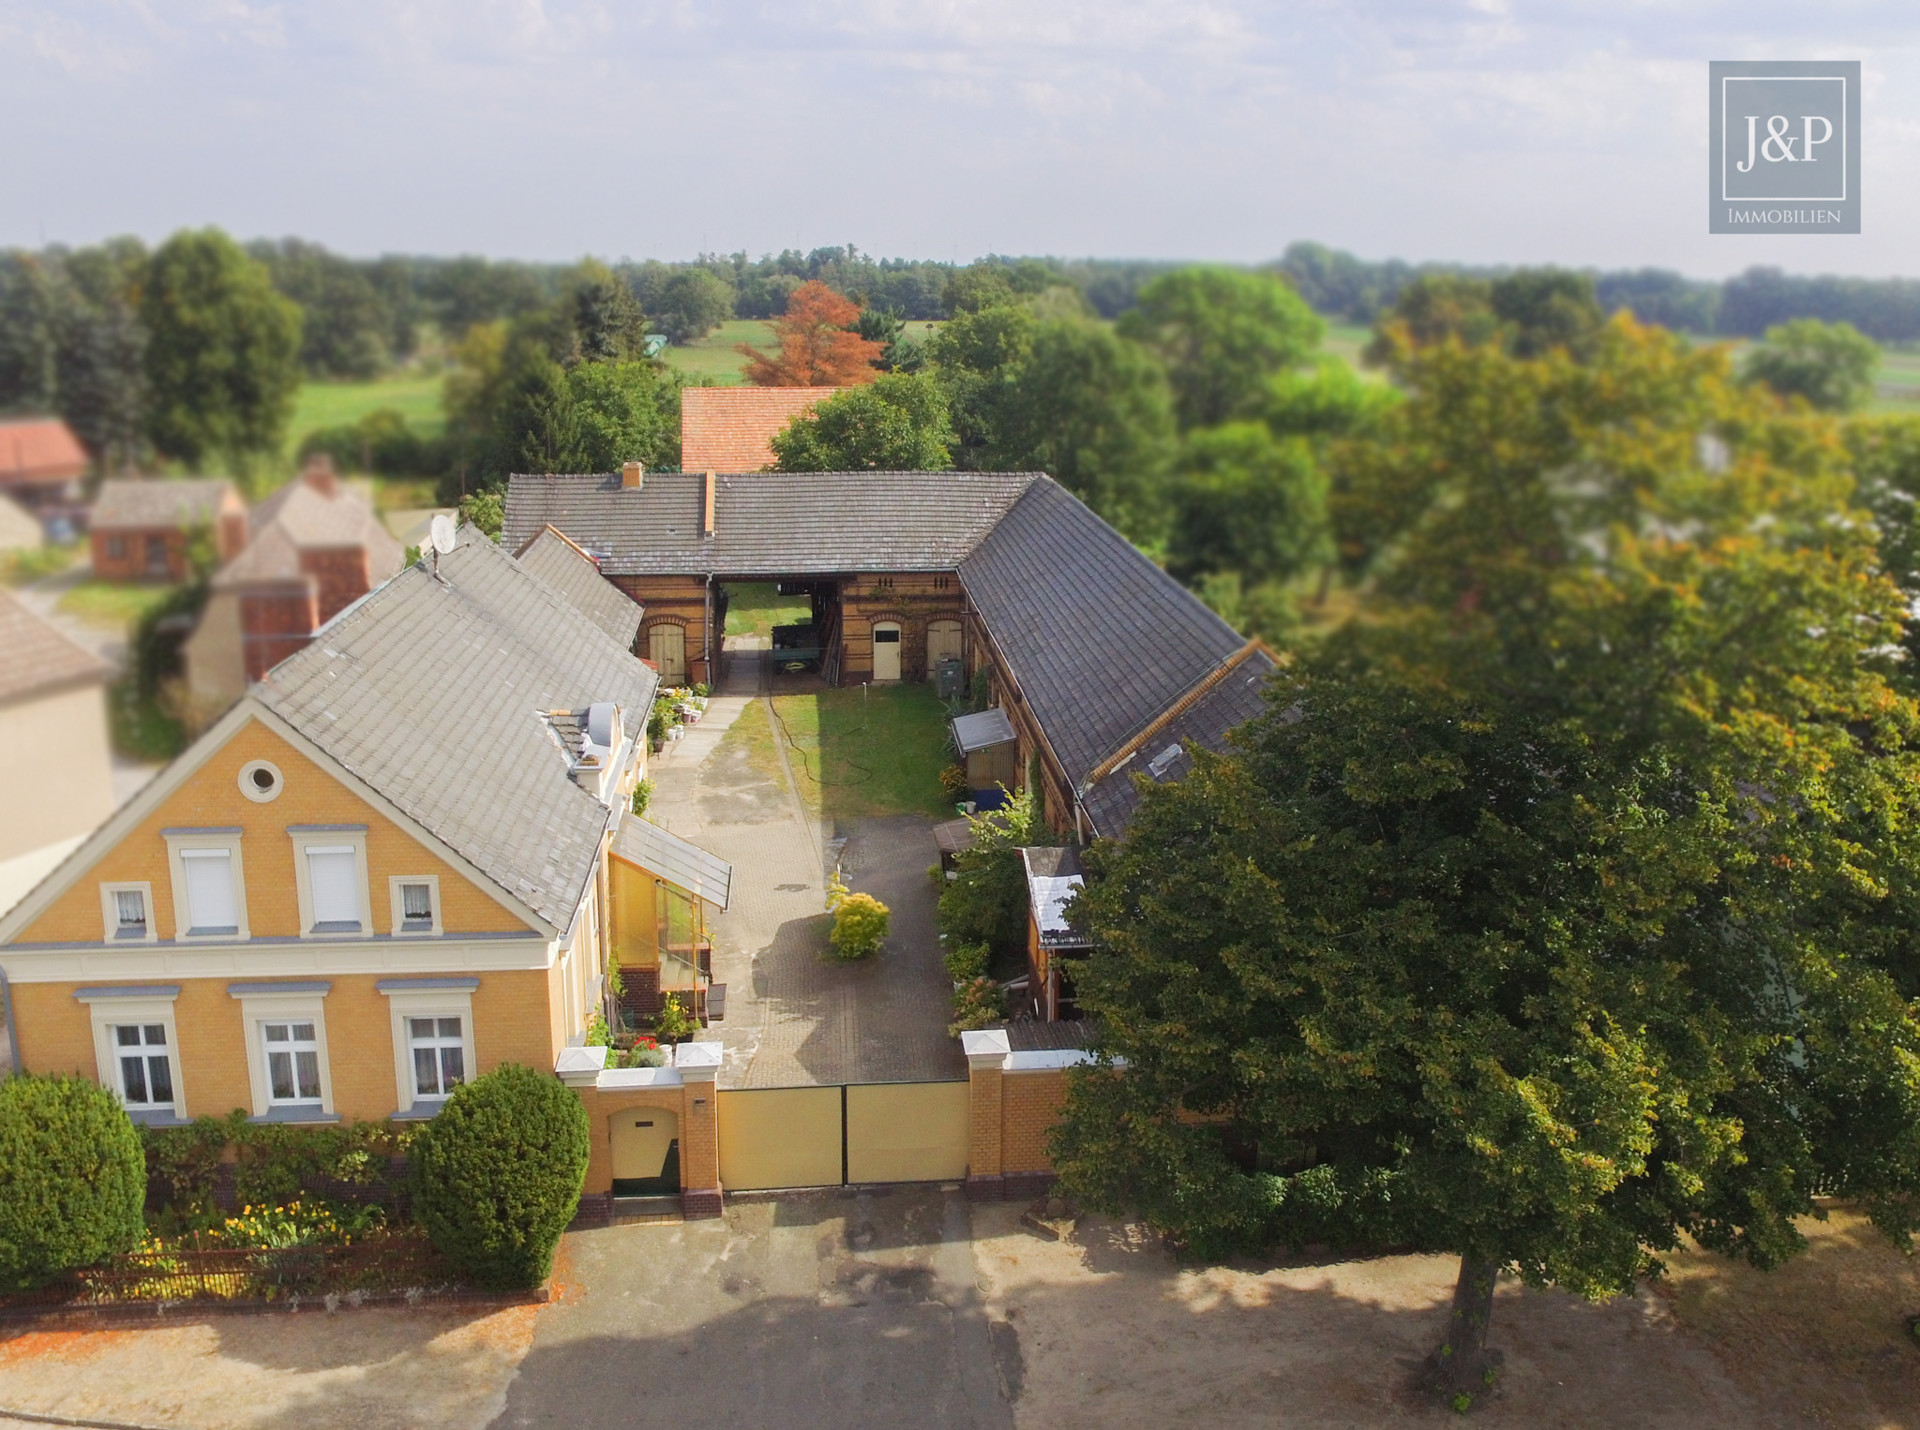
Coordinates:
x,y
1047,1060
988,1049
624,1079
587,1067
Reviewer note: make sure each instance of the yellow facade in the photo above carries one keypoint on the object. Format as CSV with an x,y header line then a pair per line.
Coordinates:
x,y
519,999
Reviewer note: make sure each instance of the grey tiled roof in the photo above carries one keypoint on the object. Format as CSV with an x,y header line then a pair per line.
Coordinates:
x,y
768,523
1101,640
36,657
435,691
1231,703
140,503
692,868
559,563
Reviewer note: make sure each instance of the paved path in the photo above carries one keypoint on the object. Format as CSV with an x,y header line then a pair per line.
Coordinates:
x,y
794,1017
822,1312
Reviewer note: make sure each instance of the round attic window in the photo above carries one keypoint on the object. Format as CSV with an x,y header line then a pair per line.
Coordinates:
x,y
260,781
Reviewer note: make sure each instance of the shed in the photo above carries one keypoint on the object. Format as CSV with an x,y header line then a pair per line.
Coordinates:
x,y
990,750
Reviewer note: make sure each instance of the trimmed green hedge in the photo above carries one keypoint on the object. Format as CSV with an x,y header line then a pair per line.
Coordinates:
x,y
498,1174
72,1179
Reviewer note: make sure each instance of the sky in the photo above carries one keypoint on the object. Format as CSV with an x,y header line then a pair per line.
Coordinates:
x,y
1484,131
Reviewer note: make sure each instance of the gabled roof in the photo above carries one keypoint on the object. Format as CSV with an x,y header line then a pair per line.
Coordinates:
x,y
435,690
35,450
767,523
730,429
575,575
301,517
36,658
169,503
1100,639
706,876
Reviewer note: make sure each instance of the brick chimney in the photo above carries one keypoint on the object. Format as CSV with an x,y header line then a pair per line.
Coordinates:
x,y
318,474
632,474
706,518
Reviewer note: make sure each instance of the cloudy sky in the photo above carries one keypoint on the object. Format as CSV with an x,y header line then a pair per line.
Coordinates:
x,y
1572,131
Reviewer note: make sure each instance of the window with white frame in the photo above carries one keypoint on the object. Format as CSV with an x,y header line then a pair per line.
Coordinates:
x,y
330,867
438,1048
416,903
333,874
143,1065
292,1052
211,903
127,912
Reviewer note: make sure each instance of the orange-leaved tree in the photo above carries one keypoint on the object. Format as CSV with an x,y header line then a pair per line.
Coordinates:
x,y
816,350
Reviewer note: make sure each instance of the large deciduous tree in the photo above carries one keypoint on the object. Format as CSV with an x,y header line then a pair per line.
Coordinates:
x,y
692,303
817,347
1829,364
896,423
1567,905
1222,332
222,355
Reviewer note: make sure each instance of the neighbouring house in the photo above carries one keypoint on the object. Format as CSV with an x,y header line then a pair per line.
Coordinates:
x,y
401,859
316,547
140,528
41,466
731,429
1054,877
55,764
1100,664
20,529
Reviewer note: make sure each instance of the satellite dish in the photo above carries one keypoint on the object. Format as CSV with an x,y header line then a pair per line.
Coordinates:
x,y
441,534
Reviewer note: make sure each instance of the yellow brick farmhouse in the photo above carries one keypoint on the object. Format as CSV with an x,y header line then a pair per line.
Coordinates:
x,y
390,867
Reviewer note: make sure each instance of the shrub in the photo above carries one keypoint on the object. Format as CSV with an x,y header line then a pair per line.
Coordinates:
x,y
271,1164
953,782
643,792
675,1020
976,1004
659,722
967,962
859,926
498,1173
72,1181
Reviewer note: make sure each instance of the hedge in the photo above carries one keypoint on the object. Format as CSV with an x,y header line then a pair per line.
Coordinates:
x,y
72,1179
498,1175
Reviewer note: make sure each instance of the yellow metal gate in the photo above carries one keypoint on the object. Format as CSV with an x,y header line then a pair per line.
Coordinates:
x,y
833,1136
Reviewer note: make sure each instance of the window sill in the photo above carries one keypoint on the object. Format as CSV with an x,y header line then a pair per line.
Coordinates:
x,y
133,936
222,931
157,1117
306,1112
420,1111
339,926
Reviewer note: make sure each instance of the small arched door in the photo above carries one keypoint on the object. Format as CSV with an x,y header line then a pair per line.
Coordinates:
x,y
886,650
943,643
646,1152
667,649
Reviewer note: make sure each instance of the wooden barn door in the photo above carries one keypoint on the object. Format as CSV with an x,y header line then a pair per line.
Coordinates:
x,y
943,643
667,649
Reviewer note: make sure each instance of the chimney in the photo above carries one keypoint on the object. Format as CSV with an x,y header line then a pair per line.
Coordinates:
x,y
706,519
631,475
318,474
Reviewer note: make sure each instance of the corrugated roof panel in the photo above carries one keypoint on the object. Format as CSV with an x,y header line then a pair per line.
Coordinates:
x,y
674,859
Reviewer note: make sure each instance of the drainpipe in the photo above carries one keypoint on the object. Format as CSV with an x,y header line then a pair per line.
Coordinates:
x,y
713,670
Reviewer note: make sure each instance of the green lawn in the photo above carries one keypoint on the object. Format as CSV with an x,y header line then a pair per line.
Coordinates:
x,y
755,609
857,753
17,568
1347,340
112,604
713,356
414,394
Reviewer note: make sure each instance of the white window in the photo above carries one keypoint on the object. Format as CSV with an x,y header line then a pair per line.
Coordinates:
x,y
293,1062
415,900
127,912
433,1048
334,874
209,885
135,1048
330,867
144,1065
286,1028
211,906
439,1050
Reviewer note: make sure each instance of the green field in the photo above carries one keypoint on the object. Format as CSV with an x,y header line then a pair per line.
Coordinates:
x,y
713,357
414,394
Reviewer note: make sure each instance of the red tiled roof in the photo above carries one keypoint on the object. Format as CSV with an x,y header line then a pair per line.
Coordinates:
x,y
35,657
730,429
39,449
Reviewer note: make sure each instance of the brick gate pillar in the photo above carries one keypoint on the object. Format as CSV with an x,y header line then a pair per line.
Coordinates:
x,y
986,1052
698,1065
